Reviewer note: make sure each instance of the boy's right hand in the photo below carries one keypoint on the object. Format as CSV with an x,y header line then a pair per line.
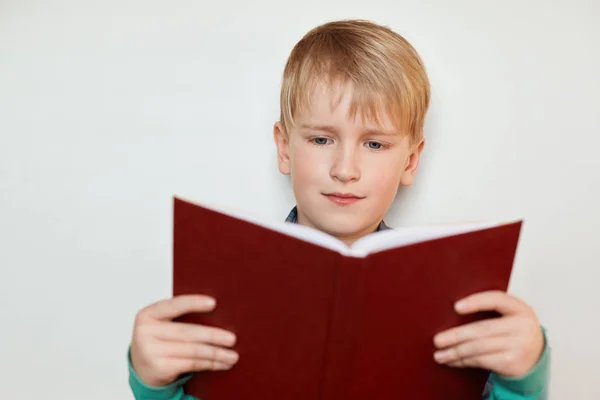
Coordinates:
x,y
162,350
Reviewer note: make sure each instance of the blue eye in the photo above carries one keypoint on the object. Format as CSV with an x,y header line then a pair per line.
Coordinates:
x,y
374,145
320,140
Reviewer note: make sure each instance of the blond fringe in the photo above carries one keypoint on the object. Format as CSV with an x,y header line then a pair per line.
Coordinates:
x,y
384,70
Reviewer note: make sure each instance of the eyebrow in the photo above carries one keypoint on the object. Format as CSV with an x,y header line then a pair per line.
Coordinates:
x,y
332,129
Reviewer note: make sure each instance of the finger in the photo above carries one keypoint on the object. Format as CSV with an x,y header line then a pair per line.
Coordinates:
x,y
198,351
179,305
485,361
495,300
475,330
184,332
471,349
185,365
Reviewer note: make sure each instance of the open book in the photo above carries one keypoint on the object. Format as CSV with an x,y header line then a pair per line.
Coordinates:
x,y
316,319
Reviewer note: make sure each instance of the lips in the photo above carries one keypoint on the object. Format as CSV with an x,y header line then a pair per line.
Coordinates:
x,y
343,198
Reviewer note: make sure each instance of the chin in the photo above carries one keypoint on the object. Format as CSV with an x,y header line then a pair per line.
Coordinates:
x,y
342,225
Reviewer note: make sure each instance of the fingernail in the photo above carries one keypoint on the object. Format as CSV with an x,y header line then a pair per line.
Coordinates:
x,y
439,356
223,366
210,302
231,356
230,338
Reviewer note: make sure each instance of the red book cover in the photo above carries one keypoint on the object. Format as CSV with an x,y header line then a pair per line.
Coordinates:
x,y
315,319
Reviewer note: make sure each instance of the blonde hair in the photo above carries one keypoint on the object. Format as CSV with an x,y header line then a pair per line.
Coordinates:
x,y
385,71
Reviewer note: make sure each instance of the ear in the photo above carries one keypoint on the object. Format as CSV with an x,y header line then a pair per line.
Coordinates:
x,y
412,163
282,143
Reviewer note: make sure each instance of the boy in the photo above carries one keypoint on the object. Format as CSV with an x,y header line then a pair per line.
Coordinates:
x,y
353,103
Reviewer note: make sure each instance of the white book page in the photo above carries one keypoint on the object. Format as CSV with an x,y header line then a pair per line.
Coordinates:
x,y
385,240
310,235
372,243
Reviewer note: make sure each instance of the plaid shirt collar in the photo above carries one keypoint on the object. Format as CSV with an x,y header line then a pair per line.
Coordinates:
x,y
293,218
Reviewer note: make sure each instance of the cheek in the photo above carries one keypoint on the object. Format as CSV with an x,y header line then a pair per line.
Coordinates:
x,y
307,164
384,177
385,170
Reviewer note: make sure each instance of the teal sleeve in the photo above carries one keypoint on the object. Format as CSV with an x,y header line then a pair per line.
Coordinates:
x,y
532,386
141,391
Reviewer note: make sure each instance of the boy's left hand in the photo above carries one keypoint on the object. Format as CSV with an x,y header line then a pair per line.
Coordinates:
x,y
510,345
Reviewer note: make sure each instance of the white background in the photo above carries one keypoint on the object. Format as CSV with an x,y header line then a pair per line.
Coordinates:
x,y
108,109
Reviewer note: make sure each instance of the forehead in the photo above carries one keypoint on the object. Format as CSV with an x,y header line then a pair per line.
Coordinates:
x,y
340,104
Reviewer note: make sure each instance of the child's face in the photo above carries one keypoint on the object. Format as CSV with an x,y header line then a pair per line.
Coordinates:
x,y
330,153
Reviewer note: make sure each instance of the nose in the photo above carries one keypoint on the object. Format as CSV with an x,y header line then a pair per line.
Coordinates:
x,y
345,166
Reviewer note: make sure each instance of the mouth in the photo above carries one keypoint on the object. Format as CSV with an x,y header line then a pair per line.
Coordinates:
x,y
343,198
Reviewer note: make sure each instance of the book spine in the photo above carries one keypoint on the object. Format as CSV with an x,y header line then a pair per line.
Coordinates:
x,y
344,329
